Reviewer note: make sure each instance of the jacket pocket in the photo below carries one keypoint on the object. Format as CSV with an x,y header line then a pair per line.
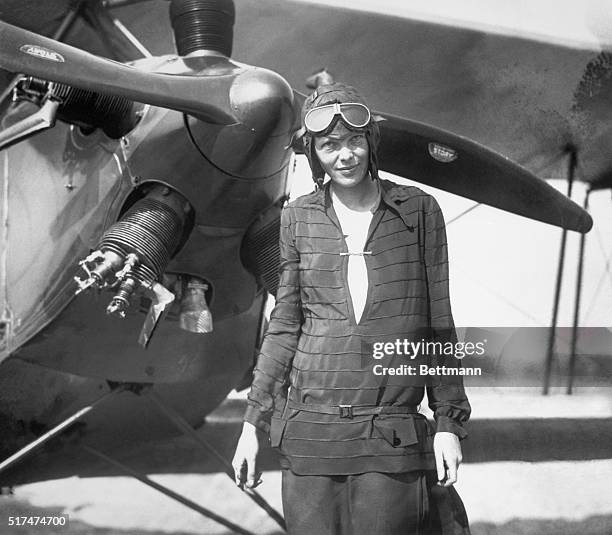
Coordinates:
x,y
397,431
277,428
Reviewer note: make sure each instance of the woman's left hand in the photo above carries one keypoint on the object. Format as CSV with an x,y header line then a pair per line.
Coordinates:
x,y
447,451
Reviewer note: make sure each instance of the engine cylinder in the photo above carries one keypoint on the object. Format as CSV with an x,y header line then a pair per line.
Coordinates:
x,y
116,116
150,228
260,250
203,25
134,252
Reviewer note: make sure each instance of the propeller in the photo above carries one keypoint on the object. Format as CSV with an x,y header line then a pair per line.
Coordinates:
x,y
458,165
414,150
204,96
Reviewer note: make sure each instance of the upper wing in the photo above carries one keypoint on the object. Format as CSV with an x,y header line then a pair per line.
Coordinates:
x,y
524,98
525,90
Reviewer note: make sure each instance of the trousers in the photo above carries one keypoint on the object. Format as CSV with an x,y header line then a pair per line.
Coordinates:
x,y
372,503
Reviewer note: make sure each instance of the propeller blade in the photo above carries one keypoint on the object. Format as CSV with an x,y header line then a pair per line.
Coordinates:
x,y
455,164
205,96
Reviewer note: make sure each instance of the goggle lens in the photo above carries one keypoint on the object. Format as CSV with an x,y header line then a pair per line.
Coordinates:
x,y
317,120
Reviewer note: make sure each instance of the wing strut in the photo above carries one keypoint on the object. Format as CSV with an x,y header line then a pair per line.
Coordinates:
x,y
43,439
186,428
577,296
117,39
170,493
550,353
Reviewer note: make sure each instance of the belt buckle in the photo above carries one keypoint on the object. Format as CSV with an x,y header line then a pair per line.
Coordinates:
x,y
346,411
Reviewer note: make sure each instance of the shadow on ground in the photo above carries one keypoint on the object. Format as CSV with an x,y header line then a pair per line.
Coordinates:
x,y
9,506
490,440
595,525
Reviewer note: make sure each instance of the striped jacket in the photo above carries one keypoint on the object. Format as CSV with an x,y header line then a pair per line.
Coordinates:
x,y
315,387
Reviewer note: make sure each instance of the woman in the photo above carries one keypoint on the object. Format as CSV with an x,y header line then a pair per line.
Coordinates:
x,y
363,265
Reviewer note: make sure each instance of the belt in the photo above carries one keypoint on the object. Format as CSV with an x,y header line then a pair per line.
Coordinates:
x,y
348,411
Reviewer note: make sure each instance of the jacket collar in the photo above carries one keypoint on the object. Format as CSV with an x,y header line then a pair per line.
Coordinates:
x,y
390,193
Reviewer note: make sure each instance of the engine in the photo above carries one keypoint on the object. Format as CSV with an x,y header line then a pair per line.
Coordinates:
x,y
132,256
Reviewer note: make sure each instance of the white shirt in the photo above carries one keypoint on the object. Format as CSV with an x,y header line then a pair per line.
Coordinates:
x,y
355,226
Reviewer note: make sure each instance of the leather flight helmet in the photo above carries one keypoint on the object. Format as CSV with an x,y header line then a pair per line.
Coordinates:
x,y
330,94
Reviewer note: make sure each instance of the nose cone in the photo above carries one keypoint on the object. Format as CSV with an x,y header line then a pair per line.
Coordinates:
x,y
263,101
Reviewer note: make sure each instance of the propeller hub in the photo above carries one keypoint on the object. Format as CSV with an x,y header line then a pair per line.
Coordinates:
x,y
203,25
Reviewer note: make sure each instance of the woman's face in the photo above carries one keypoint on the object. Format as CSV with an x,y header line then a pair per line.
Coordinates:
x,y
344,155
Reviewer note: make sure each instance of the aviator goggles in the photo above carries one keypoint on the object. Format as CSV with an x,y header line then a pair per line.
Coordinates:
x,y
354,114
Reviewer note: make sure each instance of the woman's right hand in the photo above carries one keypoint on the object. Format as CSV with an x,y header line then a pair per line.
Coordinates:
x,y
245,458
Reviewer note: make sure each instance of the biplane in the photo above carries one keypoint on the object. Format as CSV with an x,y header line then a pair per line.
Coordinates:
x,y
142,185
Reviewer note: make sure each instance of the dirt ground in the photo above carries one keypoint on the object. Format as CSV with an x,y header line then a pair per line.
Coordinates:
x,y
533,466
